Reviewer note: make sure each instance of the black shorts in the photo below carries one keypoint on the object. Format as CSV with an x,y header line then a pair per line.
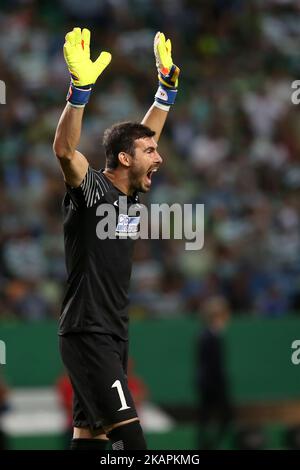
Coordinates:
x,y
97,367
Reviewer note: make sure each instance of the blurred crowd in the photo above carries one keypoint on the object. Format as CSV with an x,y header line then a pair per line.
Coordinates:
x,y
232,142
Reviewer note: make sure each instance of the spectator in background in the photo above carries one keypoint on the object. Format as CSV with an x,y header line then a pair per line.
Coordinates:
x,y
211,377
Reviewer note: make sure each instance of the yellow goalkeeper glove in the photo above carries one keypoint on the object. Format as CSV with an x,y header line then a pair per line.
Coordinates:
x,y
83,71
168,72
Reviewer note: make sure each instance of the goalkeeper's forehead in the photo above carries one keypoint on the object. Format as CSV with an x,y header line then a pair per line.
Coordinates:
x,y
144,143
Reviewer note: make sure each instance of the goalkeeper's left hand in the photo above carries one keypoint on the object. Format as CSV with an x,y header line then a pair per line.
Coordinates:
x,y
168,72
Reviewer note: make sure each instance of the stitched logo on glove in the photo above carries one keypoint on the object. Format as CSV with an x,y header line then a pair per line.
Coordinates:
x,y
162,94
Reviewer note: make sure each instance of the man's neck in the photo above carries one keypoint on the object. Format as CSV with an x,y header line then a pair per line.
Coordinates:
x,y
119,179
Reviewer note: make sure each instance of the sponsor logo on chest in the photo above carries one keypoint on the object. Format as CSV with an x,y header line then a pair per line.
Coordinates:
x,y
127,225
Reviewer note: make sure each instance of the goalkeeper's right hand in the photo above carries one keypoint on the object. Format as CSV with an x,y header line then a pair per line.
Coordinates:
x,y
83,71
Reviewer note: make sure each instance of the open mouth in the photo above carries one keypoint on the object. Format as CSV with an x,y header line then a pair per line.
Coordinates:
x,y
150,173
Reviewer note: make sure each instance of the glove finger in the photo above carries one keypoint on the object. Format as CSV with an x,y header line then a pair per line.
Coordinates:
x,y
164,56
77,35
155,48
175,76
70,38
162,38
67,49
161,48
156,41
169,47
102,62
86,37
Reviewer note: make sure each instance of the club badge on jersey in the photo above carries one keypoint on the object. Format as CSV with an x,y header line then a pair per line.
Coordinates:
x,y
127,226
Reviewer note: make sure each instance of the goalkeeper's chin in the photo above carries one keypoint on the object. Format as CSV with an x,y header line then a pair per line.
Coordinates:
x,y
146,184
143,185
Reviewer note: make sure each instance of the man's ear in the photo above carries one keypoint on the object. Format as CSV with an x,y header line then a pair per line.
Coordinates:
x,y
124,159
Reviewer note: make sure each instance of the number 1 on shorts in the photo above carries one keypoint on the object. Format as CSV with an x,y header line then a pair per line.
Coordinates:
x,y
118,386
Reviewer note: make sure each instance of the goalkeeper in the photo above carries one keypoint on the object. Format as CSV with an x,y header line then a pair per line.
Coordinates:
x,y
93,326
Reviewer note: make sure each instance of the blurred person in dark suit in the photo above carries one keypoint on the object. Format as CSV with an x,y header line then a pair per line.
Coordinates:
x,y
215,410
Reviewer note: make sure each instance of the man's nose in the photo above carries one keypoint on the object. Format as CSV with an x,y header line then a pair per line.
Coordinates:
x,y
158,158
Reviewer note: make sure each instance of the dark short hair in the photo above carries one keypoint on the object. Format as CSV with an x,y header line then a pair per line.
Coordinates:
x,y
121,138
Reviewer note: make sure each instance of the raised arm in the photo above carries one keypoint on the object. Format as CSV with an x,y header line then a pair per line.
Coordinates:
x,y
84,74
74,165
168,73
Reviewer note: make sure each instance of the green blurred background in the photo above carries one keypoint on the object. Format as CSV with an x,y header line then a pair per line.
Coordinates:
x,y
259,362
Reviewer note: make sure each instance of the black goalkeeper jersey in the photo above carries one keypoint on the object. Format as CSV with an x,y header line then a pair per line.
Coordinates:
x,y
99,270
